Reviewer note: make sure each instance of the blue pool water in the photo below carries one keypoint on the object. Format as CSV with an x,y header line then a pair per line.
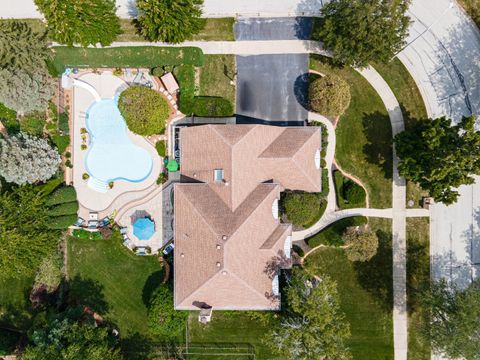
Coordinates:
x,y
143,228
111,155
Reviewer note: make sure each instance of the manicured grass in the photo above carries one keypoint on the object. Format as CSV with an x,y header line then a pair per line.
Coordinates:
x,y
133,56
113,280
364,135
350,195
332,235
14,302
229,328
216,29
216,77
418,278
365,294
406,91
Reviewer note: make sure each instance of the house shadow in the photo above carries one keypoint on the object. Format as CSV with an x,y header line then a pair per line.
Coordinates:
x,y
379,149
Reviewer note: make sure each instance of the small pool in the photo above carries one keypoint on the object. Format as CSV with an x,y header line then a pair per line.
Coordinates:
x,y
112,155
144,228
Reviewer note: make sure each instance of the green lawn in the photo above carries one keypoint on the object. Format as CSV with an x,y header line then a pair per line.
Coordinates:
x,y
365,293
418,277
14,302
128,56
406,91
113,280
229,328
364,135
332,235
216,75
216,29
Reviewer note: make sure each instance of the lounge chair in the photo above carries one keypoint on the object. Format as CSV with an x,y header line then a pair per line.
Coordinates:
x,y
123,230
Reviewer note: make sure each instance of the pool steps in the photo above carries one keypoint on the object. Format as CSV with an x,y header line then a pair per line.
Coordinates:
x,y
97,185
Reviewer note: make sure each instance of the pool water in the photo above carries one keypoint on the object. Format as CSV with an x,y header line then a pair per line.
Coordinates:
x,y
144,228
112,155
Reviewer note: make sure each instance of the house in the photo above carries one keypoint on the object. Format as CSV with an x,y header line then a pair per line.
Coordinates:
x,y
229,241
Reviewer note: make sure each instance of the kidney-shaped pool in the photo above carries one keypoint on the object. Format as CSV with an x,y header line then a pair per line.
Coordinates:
x,y
112,155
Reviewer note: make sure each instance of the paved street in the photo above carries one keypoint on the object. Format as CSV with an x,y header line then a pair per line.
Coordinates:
x,y
271,87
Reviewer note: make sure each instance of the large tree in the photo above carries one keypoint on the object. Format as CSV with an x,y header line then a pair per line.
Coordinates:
x,y
72,339
360,244
360,31
24,92
24,239
440,156
453,323
21,48
312,327
171,21
26,159
84,22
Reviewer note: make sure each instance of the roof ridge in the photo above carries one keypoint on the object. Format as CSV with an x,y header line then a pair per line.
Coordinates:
x,y
247,284
261,156
301,169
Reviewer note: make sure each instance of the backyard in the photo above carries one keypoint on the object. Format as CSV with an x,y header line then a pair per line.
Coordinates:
x,y
365,291
369,157
113,280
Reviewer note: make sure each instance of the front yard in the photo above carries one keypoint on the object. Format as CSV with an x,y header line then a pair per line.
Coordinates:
x,y
365,293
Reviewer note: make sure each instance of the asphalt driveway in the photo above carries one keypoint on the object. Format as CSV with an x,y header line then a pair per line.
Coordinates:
x,y
298,28
272,88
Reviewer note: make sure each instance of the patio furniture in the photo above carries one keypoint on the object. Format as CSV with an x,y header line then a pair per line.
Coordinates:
x,y
127,243
105,221
125,236
123,230
141,251
80,222
170,83
92,224
93,216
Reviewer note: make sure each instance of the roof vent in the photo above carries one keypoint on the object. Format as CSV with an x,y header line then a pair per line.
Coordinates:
x,y
224,272
182,255
218,247
218,264
224,237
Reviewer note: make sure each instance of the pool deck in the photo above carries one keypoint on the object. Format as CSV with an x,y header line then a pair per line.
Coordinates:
x,y
125,197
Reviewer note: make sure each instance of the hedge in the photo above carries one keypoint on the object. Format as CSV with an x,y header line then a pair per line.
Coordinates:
x,y
349,194
161,148
63,123
61,142
61,222
70,208
63,195
302,208
209,106
122,57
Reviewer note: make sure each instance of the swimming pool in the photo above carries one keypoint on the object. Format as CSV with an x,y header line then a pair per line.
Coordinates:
x,y
144,228
112,155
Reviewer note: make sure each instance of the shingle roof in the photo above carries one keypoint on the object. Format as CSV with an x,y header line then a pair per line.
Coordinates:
x,y
225,233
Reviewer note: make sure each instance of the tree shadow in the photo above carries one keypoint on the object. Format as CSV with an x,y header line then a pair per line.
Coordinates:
x,y
300,89
376,275
153,282
379,147
87,292
303,27
136,347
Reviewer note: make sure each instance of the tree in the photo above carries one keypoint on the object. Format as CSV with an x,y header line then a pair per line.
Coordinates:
x,y
360,31
329,95
301,208
24,240
65,338
26,159
145,110
163,319
360,245
439,156
84,22
171,21
23,92
313,326
21,48
453,319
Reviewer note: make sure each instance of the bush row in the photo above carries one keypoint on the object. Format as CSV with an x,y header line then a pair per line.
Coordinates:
x,y
62,195
199,105
69,208
87,235
119,57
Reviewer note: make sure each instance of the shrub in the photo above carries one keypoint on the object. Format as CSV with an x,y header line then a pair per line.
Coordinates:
x,y
49,273
83,147
8,118
360,245
212,106
163,319
85,176
25,159
161,148
144,110
68,154
63,123
157,71
349,194
302,209
329,95
162,178
64,209
33,123
61,222
68,164
61,142
110,184
62,195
